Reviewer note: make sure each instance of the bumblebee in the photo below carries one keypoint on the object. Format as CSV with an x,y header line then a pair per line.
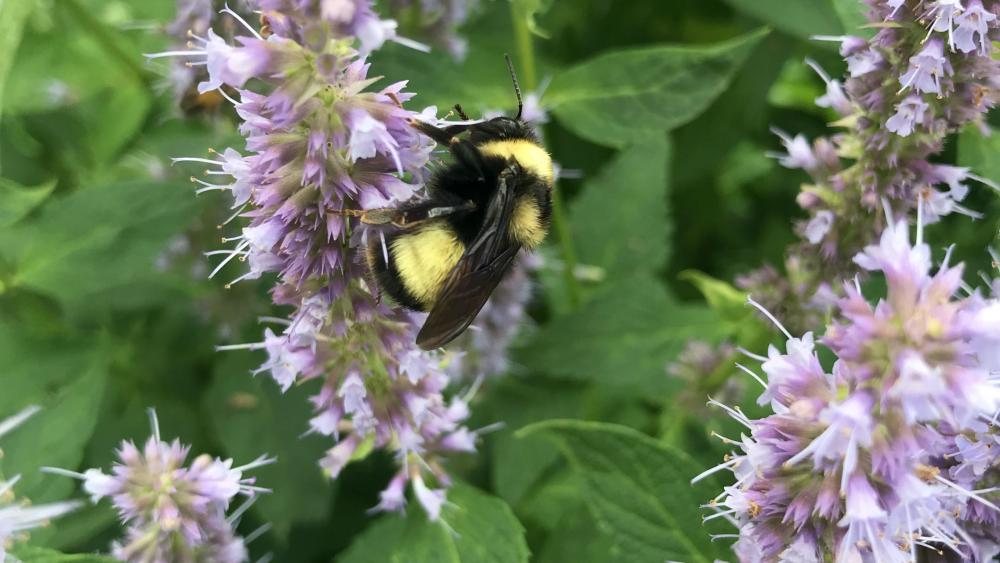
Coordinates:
x,y
449,251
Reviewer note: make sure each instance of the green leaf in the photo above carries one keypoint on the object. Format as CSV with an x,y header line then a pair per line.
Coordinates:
x,y
797,89
731,303
623,338
66,378
31,554
16,201
60,66
741,112
625,211
802,18
252,417
117,117
77,527
639,490
737,319
577,538
13,14
979,152
518,465
105,239
483,530
479,82
623,96
87,72
852,16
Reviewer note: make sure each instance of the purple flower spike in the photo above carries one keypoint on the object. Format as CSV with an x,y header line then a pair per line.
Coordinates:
x,y
173,510
323,144
893,449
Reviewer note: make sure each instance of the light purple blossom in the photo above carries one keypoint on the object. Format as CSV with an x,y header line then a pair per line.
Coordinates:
x,y
195,17
866,521
173,510
910,112
910,86
927,68
883,453
863,62
834,98
799,152
886,450
819,226
436,21
943,13
972,33
336,19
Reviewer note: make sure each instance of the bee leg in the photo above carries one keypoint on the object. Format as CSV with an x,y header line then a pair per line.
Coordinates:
x,y
461,112
412,215
374,285
374,250
440,135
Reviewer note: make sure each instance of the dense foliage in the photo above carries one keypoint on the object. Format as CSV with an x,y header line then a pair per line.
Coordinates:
x,y
707,150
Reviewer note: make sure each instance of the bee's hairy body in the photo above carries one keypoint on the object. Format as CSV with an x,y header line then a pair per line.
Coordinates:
x,y
422,258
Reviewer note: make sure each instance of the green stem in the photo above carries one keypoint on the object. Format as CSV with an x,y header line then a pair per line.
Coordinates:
x,y
565,236
525,49
106,39
528,77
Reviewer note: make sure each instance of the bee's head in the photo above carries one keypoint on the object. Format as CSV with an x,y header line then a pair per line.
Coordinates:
x,y
501,128
508,127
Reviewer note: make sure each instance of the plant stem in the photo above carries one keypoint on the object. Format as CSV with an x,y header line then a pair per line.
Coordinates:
x,y
528,77
525,48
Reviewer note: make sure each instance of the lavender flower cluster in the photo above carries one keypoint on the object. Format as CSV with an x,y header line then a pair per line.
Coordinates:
x,y
926,73
18,517
890,450
197,17
174,513
437,20
321,145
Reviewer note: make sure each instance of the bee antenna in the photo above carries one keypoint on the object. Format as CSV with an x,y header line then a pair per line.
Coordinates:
x,y
517,87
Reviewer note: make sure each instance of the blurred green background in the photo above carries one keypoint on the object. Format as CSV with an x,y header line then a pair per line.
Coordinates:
x,y
106,309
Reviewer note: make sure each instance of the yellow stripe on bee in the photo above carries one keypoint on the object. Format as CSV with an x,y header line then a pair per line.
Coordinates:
x,y
530,156
526,224
425,258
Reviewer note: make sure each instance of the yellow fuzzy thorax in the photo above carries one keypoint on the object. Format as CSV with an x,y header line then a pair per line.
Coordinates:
x,y
425,258
530,156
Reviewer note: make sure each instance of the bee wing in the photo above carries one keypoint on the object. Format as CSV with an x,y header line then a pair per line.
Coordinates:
x,y
477,273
